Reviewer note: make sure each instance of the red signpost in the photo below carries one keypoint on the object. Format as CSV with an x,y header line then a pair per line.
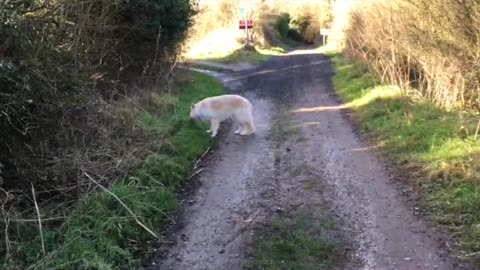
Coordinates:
x,y
249,24
245,24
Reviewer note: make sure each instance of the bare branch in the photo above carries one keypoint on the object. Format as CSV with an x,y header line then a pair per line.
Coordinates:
x,y
39,221
123,204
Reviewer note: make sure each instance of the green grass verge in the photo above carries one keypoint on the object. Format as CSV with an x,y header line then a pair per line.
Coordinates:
x,y
241,55
293,244
438,147
101,233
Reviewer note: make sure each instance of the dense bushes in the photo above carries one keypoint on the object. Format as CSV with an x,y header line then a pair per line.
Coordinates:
x,y
60,59
282,24
65,68
302,22
431,45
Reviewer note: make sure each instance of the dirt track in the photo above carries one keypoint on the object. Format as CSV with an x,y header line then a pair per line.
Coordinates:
x,y
320,165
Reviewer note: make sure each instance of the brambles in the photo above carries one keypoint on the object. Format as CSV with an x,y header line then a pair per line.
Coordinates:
x,y
72,78
428,45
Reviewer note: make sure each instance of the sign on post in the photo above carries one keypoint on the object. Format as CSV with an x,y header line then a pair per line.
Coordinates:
x,y
249,24
245,23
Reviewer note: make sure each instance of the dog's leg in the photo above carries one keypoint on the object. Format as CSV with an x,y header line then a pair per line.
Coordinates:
x,y
240,127
238,122
214,124
252,127
244,129
249,128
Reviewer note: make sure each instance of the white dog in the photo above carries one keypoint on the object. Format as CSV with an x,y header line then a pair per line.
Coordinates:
x,y
219,108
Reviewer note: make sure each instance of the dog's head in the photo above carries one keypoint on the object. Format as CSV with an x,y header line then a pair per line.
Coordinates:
x,y
194,111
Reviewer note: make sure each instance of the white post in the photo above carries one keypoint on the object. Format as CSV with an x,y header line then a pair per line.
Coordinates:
x,y
246,28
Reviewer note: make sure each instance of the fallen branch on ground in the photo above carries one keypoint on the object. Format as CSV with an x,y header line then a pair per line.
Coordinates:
x,y
123,204
201,158
195,173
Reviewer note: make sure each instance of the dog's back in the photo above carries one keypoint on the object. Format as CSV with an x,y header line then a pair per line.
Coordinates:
x,y
229,104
